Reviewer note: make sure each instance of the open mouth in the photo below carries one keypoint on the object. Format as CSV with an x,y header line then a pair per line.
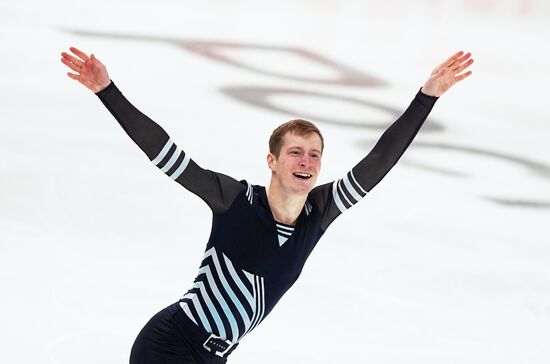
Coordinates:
x,y
302,175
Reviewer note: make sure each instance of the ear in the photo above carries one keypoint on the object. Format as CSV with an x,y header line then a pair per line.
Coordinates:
x,y
271,161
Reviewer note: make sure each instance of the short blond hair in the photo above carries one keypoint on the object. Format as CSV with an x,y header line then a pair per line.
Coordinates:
x,y
296,126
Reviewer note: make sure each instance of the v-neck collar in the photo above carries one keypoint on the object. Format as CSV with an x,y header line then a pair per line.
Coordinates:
x,y
284,231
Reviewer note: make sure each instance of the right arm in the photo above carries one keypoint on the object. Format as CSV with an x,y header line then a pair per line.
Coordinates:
x,y
216,189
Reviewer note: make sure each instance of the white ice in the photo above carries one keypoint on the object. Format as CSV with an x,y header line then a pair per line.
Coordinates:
x,y
446,261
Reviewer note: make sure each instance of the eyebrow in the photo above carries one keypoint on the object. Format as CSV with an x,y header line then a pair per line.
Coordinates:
x,y
297,147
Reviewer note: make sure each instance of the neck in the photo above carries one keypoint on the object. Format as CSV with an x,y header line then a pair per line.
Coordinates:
x,y
285,207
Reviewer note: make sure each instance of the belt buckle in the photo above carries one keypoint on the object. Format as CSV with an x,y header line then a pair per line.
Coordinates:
x,y
218,345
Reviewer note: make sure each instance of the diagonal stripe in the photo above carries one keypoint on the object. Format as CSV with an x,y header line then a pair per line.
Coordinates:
x,y
336,198
357,183
250,278
187,311
197,305
351,189
308,208
172,160
342,193
163,152
255,307
211,308
238,281
227,311
249,193
212,252
181,168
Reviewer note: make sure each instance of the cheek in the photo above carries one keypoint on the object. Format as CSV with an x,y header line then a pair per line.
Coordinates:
x,y
317,164
293,161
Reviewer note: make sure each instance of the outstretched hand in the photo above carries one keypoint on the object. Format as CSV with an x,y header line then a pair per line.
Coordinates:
x,y
444,76
89,70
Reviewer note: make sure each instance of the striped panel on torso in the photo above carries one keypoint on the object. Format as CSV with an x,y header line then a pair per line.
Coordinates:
x,y
219,290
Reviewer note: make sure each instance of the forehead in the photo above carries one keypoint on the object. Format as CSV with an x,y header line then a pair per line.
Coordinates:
x,y
310,140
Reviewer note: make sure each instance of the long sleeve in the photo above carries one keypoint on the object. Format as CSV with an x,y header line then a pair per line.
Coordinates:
x,y
216,189
338,196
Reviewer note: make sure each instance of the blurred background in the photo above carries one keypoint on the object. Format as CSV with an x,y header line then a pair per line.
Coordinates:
x,y
447,259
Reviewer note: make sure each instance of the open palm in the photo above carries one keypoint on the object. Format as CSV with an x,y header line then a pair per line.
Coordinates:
x,y
444,76
89,70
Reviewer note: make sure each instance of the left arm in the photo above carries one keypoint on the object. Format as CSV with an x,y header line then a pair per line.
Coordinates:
x,y
338,196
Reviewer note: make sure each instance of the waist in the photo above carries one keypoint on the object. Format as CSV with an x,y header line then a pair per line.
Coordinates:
x,y
196,335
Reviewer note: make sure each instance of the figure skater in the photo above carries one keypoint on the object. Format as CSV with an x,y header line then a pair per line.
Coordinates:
x,y
261,237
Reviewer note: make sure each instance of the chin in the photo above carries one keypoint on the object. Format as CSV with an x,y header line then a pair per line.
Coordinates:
x,y
303,189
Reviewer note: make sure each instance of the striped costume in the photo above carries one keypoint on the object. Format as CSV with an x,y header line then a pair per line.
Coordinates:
x,y
251,260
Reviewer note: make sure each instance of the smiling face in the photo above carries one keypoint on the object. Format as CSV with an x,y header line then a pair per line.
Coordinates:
x,y
298,164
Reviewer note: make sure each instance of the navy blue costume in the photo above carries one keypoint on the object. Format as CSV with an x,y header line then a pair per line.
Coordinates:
x,y
251,260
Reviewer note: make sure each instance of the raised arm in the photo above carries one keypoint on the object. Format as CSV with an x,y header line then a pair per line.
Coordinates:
x,y
216,189
338,196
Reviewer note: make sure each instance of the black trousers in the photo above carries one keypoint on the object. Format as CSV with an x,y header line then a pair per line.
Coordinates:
x,y
166,339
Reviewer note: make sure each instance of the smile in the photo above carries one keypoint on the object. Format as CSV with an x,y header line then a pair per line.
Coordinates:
x,y
302,175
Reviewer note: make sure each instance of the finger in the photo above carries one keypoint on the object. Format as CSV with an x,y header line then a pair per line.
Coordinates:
x,y
463,67
462,76
83,56
451,59
460,60
72,59
96,62
71,65
73,76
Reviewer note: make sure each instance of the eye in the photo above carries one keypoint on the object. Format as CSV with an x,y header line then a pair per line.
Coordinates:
x,y
295,152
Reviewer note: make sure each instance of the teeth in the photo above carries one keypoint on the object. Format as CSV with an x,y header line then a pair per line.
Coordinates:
x,y
302,174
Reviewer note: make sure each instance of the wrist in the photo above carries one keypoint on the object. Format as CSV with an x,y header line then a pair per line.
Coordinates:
x,y
102,88
428,92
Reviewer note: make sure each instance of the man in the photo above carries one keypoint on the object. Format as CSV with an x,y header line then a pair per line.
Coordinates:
x,y
260,237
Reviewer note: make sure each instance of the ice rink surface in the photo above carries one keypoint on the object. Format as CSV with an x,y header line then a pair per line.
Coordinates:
x,y
446,261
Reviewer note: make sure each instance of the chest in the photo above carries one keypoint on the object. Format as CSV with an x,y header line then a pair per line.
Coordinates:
x,y
252,239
